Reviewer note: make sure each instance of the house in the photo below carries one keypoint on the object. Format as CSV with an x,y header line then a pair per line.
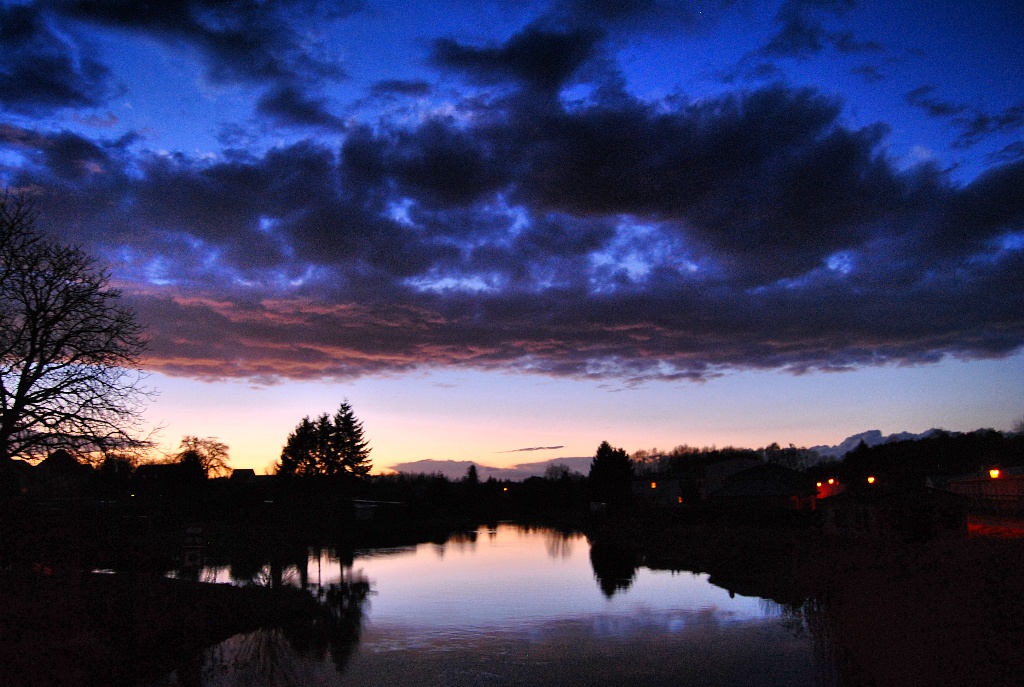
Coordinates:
x,y
660,492
715,474
60,475
691,484
767,487
243,477
995,491
166,479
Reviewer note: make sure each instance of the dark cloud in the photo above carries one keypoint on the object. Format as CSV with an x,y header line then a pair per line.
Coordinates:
x,y
847,44
66,158
803,32
991,204
1009,153
647,16
400,87
869,73
921,97
41,71
243,40
437,163
974,124
46,66
537,58
619,239
289,106
982,124
752,69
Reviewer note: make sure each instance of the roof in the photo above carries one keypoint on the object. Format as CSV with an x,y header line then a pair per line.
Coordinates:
x,y
766,480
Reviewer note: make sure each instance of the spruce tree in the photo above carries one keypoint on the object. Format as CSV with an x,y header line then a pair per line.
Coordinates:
x,y
327,446
350,449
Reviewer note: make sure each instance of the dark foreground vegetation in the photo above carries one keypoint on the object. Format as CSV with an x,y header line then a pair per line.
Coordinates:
x,y
105,629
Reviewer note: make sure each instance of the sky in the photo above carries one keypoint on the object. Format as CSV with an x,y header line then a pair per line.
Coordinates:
x,y
498,226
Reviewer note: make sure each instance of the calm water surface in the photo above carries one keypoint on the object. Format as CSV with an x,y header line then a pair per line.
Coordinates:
x,y
512,606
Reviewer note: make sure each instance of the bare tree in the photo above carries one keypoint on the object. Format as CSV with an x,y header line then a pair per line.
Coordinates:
x,y
209,453
69,349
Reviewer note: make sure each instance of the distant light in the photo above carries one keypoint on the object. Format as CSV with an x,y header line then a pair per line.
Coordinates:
x,y
871,480
505,489
680,499
994,473
831,481
819,485
654,485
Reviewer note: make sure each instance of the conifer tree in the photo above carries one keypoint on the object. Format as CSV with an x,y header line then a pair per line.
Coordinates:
x,y
611,473
327,446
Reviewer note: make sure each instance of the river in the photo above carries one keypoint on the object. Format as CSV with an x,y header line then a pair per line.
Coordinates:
x,y
515,606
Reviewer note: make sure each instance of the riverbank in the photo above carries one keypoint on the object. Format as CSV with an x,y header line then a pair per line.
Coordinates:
x,y
122,630
946,612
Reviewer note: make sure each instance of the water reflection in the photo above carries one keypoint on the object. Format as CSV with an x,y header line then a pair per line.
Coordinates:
x,y
614,567
558,544
521,606
325,628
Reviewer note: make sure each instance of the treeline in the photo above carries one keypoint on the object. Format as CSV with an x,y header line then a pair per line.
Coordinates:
x,y
683,458
911,463
489,499
907,462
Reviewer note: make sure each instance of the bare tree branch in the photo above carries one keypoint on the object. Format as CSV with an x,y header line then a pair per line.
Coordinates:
x,y
69,349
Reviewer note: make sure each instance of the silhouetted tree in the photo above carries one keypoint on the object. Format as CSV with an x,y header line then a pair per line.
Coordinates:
x,y
301,452
471,478
611,473
209,453
349,443
69,349
556,472
327,446
792,457
114,474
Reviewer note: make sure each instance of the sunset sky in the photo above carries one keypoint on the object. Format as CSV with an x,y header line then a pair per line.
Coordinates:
x,y
495,226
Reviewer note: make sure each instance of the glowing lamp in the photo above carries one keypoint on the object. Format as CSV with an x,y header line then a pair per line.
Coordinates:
x,y
654,485
505,489
994,473
819,485
831,481
871,480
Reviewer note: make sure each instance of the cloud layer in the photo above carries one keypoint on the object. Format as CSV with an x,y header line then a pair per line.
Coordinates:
x,y
602,236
